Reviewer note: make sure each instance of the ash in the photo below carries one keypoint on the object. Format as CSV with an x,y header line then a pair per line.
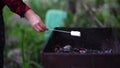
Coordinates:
x,y
70,49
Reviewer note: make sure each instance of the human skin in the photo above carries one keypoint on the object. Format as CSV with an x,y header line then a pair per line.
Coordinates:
x,y
35,21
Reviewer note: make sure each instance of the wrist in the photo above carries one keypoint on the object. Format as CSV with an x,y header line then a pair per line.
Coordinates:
x,y
29,13
31,16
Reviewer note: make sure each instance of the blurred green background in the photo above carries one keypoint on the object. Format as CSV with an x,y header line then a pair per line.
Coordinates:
x,y
23,44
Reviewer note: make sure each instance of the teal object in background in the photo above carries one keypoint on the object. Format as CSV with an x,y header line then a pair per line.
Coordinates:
x,y
54,18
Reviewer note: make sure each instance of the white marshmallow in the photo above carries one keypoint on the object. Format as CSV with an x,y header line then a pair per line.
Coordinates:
x,y
75,33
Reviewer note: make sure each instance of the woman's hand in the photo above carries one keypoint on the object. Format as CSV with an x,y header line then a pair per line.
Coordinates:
x,y
35,21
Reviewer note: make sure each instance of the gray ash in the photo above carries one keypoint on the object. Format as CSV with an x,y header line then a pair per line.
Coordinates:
x,y
70,49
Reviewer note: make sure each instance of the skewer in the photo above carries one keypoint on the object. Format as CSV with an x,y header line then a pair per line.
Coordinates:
x,y
60,31
72,33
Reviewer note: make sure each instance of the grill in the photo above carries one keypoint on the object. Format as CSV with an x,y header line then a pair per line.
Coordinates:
x,y
96,48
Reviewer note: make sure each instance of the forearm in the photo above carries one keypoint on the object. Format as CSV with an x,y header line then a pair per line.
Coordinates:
x,y
31,16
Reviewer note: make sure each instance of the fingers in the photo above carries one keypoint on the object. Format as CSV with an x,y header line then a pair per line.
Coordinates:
x,y
40,27
37,28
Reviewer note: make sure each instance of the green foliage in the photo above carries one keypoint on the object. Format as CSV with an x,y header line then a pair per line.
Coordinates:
x,y
31,42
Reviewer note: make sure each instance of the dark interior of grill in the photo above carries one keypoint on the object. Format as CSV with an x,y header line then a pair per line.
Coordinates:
x,y
91,38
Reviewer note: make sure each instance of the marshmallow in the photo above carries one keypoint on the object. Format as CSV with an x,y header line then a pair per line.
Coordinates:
x,y
75,33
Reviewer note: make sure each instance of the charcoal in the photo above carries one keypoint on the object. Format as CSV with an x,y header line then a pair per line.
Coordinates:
x,y
70,49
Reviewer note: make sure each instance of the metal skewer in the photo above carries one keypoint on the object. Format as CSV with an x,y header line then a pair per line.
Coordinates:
x,y
60,31
72,33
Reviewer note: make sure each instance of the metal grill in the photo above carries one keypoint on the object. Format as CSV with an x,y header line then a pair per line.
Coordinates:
x,y
96,48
